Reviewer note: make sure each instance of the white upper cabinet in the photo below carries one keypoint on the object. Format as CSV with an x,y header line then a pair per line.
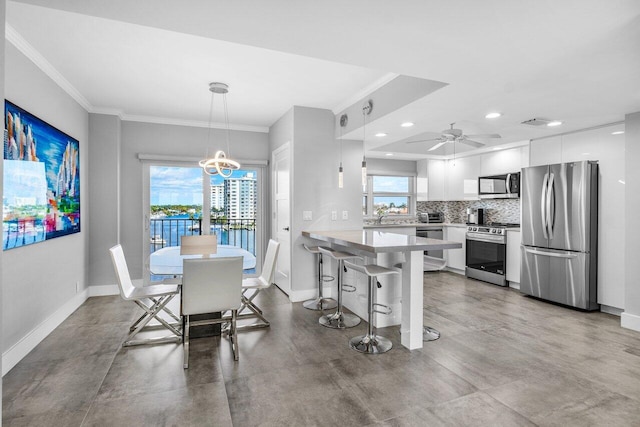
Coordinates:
x,y
422,180
546,151
504,161
436,177
461,178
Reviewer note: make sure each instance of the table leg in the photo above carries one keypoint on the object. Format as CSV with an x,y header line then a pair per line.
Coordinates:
x,y
412,303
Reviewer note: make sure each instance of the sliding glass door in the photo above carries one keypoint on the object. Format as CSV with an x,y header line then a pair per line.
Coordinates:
x,y
183,200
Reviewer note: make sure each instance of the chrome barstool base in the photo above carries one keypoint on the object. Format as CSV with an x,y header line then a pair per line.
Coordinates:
x,y
429,334
339,320
320,304
370,344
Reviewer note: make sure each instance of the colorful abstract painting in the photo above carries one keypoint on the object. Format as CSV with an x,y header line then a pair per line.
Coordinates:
x,y
41,198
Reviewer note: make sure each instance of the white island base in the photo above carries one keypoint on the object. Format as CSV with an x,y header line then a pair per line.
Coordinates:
x,y
404,294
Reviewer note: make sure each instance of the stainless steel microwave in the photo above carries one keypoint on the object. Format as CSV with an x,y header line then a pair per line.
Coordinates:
x,y
506,186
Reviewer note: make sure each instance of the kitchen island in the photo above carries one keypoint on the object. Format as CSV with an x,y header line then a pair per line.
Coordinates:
x,y
371,244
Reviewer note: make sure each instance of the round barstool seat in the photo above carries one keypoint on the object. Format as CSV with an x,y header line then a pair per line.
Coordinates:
x,y
339,319
370,343
319,303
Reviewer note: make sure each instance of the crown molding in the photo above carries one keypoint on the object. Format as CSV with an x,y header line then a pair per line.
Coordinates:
x,y
40,61
192,123
364,92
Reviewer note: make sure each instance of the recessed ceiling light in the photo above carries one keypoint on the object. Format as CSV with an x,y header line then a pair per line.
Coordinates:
x,y
618,132
621,181
406,124
554,123
381,134
389,154
586,154
492,116
495,148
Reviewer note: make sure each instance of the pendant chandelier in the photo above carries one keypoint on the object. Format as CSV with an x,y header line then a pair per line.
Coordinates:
x,y
219,164
366,110
344,119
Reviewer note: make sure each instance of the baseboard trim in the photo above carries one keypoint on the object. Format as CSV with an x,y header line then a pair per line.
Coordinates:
x,y
307,294
103,290
19,350
630,321
611,310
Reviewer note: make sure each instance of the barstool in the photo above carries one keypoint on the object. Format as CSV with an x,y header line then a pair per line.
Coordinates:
x,y
371,343
339,319
319,303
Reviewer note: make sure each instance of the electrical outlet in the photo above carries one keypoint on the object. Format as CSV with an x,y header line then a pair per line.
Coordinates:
x,y
345,215
307,216
334,215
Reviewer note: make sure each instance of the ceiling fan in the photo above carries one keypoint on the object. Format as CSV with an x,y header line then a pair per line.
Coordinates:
x,y
456,135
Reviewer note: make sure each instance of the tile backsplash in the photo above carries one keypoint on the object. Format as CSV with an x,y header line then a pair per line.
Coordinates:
x,y
495,210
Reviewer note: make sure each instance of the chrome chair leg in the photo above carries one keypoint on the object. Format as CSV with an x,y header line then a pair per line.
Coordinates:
x,y
233,334
185,344
321,303
152,313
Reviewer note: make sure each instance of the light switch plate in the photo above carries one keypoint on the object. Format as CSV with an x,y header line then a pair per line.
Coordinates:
x,y
334,215
345,215
307,216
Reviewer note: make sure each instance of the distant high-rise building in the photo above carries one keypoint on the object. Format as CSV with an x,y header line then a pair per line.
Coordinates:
x,y
217,196
241,201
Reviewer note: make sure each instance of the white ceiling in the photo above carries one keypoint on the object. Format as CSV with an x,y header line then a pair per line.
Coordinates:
x,y
576,61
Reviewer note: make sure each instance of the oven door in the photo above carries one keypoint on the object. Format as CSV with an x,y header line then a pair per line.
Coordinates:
x,y
487,254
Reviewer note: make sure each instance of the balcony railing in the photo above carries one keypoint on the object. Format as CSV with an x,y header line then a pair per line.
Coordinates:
x,y
236,232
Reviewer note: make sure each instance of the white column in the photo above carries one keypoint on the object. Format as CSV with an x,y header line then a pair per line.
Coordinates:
x,y
412,274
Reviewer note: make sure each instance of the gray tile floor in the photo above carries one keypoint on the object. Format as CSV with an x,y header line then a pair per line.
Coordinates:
x,y
503,360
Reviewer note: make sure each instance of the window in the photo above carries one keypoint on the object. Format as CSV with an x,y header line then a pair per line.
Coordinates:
x,y
389,195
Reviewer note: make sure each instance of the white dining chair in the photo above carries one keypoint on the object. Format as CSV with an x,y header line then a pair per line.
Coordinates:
x,y
251,287
199,244
211,285
156,298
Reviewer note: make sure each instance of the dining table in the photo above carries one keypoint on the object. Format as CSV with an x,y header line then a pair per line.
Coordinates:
x,y
168,262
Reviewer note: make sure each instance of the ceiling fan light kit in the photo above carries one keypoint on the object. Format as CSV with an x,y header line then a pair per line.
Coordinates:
x,y
456,135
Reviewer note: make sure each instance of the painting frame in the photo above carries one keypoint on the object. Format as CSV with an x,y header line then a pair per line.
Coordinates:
x,y
41,192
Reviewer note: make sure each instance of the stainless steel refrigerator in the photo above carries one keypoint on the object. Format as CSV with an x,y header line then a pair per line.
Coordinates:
x,y
560,233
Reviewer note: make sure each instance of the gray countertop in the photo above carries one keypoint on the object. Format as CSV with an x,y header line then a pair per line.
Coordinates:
x,y
413,224
380,241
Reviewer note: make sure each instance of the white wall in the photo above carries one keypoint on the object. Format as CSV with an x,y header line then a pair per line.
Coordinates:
x,y
2,65
167,140
104,163
39,280
316,157
631,316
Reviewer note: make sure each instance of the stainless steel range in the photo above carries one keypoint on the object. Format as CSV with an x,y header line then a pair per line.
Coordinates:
x,y
486,254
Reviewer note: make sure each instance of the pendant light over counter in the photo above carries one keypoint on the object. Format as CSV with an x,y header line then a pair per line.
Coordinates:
x,y
344,119
219,164
366,110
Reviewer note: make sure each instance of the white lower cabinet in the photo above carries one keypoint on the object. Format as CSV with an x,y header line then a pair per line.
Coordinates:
x,y
456,257
513,257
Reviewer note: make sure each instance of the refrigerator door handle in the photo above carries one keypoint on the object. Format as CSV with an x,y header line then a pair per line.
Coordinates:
x,y
550,254
543,199
551,213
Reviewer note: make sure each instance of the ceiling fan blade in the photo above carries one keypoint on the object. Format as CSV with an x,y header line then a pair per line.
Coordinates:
x,y
484,135
438,145
424,140
471,143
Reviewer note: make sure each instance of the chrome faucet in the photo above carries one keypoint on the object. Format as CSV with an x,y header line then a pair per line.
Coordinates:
x,y
379,220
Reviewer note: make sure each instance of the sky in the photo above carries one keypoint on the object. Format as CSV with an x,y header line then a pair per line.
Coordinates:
x,y
181,185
